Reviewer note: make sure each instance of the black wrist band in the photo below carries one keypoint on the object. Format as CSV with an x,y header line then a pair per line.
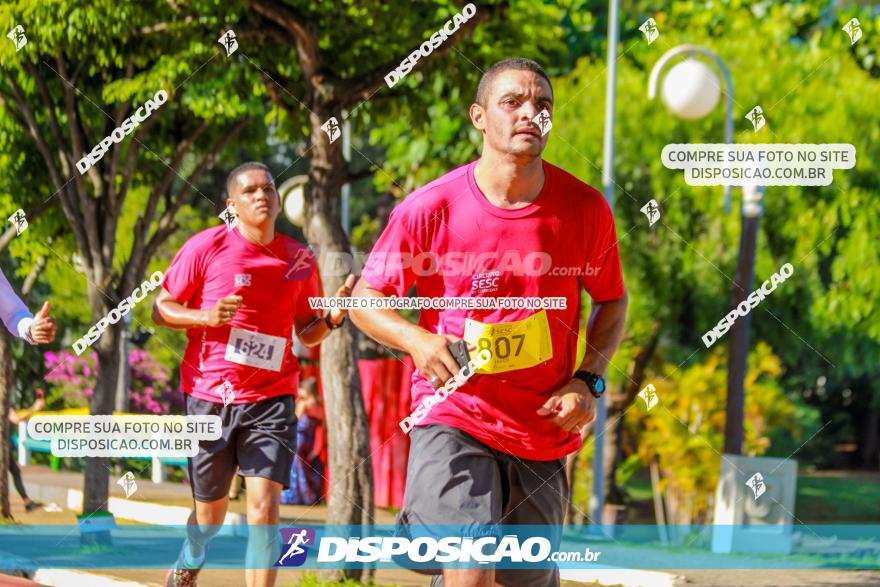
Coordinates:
x,y
330,323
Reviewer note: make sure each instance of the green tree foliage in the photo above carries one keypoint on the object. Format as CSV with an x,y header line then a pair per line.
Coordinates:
x,y
684,431
794,60
101,233
86,68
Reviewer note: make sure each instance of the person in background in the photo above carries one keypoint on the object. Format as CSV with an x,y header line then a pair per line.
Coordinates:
x,y
35,329
307,472
14,470
240,292
39,329
235,488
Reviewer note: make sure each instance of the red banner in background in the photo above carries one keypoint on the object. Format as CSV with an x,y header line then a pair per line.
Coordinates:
x,y
386,391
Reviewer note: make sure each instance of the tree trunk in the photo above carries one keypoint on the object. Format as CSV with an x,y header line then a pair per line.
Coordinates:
x,y
571,473
6,390
96,490
350,500
659,515
870,449
612,453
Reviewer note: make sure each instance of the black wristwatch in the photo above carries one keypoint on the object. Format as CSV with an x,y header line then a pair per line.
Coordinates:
x,y
330,323
594,382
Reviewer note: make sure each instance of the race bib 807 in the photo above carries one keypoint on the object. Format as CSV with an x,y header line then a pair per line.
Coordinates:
x,y
514,345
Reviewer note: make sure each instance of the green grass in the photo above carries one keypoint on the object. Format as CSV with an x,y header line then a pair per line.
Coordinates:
x,y
838,500
849,499
312,580
639,488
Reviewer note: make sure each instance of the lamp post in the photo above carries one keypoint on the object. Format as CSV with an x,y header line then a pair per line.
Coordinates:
x,y
597,496
691,91
124,380
752,208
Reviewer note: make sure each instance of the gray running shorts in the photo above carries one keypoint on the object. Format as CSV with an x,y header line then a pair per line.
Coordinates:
x,y
455,480
259,438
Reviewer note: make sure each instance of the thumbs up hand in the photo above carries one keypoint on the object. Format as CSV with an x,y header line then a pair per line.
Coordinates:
x,y
337,315
43,327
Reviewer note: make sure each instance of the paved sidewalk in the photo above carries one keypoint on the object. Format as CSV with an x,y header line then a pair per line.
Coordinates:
x,y
50,486
154,578
787,578
46,485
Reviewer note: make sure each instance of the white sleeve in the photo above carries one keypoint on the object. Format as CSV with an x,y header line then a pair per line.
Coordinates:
x,y
14,313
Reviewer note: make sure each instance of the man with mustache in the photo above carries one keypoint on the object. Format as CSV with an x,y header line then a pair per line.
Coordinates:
x,y
493,452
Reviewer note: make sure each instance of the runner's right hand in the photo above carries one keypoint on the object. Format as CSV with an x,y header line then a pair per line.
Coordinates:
x,y
223,311
432,357
43,328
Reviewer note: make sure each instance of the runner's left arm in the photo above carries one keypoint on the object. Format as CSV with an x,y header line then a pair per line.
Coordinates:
x,y
608,292
604,333
571,406
312,328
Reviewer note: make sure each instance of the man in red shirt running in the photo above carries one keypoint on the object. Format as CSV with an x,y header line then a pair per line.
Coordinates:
x,y
240,292
506,225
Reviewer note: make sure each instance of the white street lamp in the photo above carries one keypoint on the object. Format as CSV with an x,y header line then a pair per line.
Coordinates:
x,y
293,197
691,90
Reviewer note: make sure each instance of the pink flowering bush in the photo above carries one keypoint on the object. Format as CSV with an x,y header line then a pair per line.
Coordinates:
x,y
73,379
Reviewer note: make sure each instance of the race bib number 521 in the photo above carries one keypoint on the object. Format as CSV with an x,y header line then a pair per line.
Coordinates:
x,y
514,345
255,349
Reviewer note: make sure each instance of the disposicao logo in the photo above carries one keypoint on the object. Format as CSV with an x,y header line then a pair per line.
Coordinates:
x,y
425,49
296,542
118,313
123,130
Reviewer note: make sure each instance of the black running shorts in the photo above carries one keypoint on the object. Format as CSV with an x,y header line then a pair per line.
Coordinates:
x,y
259,438
455,480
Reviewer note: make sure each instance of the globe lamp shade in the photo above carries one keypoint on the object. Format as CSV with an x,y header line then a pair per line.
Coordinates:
x,y
691,89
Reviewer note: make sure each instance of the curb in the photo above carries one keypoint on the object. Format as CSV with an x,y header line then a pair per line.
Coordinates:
x,y
625,577
158,514
135,510
67,577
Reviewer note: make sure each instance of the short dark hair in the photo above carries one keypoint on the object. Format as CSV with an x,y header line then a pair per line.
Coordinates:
x,y
520,63
249,166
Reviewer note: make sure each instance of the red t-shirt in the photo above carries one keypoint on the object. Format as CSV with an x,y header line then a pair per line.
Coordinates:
x,y
275,282
449,240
